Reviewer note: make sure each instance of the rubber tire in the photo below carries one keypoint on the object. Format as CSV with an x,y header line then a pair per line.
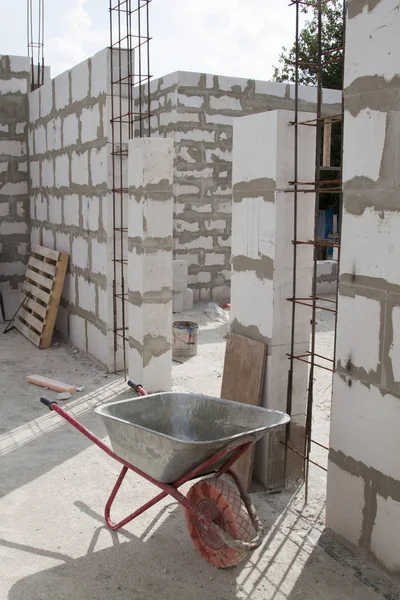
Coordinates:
x,y
221,500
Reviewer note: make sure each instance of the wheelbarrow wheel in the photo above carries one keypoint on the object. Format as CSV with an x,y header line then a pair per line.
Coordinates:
x,y
219,499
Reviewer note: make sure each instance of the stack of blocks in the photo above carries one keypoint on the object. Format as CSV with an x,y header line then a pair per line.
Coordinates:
x,y
182,295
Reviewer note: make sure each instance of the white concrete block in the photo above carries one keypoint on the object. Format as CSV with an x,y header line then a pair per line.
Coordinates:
x,y
177,302
70,130
63,242
40,140
195,135
48,238
354,340
90,122
20,128
103,304
77,332
251,301
364,425
69,289
62,92
86,294
154,159
99,73
270,88
90,212
219,119
181,225
14,85
385,540
34,104
188,299
179,275
205,243
345,517
61,164
98,165
214,259
394,352
366,130
55,210
48,173
190,101
80,81
54,134
80,168
217,225
80,253
225,103
46,99
186,190
35,235
41,208
97,343
157,374
173,116
99,256
12,148
71,210
372,42
367,241
9,227
19,64
12,188
4,209
157,217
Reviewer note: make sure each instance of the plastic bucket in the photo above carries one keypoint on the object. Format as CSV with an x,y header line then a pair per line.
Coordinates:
x,y
184,339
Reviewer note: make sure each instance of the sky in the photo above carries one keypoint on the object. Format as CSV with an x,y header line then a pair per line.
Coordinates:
x,y
241,38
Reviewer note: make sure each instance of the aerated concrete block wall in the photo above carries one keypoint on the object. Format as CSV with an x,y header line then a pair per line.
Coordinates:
x,y
150,262
197,111
262,268
69,196
363,498
14,200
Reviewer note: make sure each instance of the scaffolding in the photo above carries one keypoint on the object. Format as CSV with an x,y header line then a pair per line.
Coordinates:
x,y
130,116
321,185
35,41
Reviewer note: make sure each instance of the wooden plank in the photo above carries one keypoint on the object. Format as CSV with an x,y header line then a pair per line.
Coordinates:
x,y
243,381
39,279
54,301
30,319
36,292
40,265
35,307
46,252
27,332
51,384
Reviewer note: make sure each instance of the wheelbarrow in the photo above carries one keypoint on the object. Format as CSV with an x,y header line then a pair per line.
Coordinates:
x,y
172,438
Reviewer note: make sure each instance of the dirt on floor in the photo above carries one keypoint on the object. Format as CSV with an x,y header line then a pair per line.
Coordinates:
x,y
54,484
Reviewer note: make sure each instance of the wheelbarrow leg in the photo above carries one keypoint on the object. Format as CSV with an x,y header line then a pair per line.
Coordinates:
x,y
139,511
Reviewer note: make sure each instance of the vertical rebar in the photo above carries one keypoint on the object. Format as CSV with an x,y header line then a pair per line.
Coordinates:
x,y
318,141
295,207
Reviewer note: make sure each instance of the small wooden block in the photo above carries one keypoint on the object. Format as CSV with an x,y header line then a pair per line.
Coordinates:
x,y
243,381
51,384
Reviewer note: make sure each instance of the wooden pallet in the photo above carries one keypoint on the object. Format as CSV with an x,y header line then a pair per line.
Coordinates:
x,y
44,280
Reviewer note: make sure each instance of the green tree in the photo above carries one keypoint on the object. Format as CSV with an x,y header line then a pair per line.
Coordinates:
x,y
332,40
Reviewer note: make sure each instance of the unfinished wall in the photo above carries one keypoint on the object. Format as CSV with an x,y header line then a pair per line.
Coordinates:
x,y
262,268
14,200
69,195
197,111
150,262
363,500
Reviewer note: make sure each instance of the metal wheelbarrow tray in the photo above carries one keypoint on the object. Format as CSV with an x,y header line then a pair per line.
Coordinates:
x,y
167,435
172,438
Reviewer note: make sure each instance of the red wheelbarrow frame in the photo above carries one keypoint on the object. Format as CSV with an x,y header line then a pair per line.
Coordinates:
x,y
171,489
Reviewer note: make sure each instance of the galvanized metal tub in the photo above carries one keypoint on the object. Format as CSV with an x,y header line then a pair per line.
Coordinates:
x,y
167,435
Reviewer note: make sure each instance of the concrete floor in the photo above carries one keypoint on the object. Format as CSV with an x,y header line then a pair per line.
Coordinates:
x,y
54,484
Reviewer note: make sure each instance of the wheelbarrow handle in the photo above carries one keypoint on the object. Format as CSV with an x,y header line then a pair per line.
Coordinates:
x,y
47,402
137,387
